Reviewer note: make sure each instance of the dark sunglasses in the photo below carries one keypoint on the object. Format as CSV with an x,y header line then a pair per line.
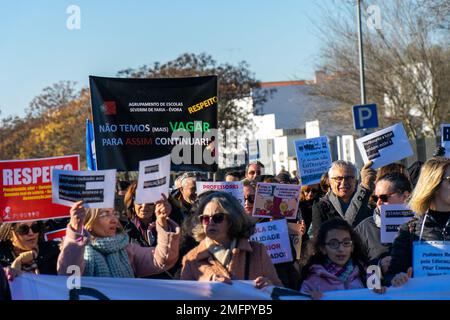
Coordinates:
x,y
382,197
250,198
216,218
253,172
24,229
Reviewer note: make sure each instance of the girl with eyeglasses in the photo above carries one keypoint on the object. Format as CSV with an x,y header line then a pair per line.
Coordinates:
x,y
23,249
225,252
337,261
95,242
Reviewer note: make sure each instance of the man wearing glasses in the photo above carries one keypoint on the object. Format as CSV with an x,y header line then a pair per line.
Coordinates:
x,y
346,199
392,188
253,170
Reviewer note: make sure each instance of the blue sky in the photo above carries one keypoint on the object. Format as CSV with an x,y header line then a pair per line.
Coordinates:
x,y
276,38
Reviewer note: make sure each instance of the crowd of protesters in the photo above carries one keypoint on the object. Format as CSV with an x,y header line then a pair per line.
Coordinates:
x,y
206,237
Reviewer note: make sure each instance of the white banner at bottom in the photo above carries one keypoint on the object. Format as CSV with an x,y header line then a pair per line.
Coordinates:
x,y
45,287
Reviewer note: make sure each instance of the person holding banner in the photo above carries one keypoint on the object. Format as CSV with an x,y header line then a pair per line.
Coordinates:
x,y
337,261
392,188
96,243
225,252
345,200
430,200
23,249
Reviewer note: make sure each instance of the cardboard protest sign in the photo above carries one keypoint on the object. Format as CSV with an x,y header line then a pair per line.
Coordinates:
x,y
385,146
313,158
445,138
235,188
274,235
26,188
276,200
295,236
154,178
431,258
95,188
56,235
141,119
392,217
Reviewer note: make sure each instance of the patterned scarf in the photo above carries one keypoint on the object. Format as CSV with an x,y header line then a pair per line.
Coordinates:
x,y
341,272
107,257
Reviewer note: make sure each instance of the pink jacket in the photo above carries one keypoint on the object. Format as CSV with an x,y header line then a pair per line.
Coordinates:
x,y
145,261
320,279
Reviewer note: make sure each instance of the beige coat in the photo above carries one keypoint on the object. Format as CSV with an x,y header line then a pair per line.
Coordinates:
x,y
199,264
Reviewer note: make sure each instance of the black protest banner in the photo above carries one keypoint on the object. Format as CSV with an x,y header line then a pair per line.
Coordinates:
x,y
144,119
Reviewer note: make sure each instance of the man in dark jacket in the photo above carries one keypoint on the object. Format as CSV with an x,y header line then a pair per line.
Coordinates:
x,y
392,188
345,199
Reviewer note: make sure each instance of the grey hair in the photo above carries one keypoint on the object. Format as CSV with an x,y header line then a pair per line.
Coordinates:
x,y
241,224
186,176
342,164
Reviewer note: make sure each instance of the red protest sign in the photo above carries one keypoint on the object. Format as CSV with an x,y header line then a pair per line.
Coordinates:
x,y
26,192
57,235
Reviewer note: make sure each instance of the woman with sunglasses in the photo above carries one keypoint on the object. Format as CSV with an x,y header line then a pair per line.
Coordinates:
x,y
225,252
97,244
337,261
430,200
23,249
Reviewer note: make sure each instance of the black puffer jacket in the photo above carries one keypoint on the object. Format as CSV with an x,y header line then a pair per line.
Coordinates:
x,y
5,293
409,232
329,207
46,260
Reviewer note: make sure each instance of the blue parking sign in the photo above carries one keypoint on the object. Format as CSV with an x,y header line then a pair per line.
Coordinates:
x,y
365,116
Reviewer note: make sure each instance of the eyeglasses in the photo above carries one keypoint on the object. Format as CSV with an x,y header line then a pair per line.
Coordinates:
x,y
382,197
340,179
114,214
335,244
250,198
24,229
253,172
216,218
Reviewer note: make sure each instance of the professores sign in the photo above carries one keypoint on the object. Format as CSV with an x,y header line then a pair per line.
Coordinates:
x,y
27,188
144,119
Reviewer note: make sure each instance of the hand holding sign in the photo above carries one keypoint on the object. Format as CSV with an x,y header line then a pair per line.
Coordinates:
x,y
401,278
162,211
368,176
77,215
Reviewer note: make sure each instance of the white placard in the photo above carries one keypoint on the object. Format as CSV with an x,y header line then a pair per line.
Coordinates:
x,y
154,178
313,158
445,138
95,188
431,258
392,217
274,235
235,188
385,146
